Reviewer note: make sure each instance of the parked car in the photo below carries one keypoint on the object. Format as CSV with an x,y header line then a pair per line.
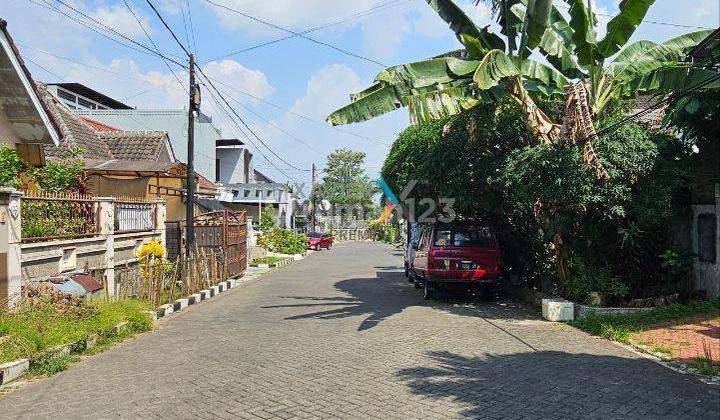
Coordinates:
x,y
319,240
459,255
414,233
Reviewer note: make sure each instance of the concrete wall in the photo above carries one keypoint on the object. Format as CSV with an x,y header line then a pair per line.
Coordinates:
x,y
101,253
232,165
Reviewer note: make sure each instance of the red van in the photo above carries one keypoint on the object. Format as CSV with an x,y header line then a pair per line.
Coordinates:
x,y
462,254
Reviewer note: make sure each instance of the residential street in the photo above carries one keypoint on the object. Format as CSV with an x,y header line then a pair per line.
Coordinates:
x,y
342,334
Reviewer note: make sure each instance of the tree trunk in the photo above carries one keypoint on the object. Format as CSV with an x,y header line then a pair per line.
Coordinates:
x,y
578,127
537,122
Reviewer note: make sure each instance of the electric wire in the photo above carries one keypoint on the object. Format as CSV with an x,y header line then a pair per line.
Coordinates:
x,y
298,34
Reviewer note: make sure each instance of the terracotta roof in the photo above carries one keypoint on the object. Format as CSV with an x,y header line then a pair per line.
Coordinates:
x,y
652,119
75,133
135,145
206,184
97,125
143,167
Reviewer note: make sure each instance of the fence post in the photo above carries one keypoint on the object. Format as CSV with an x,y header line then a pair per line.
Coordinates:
x,y
160,218
106,221
10,251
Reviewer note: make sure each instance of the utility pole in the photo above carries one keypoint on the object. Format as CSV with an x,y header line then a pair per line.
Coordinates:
x,y
190,199
312,196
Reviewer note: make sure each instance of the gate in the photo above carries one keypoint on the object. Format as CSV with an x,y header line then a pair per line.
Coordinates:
x,y
225,233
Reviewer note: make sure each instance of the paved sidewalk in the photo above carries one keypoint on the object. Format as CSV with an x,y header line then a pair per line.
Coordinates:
x,y
342,335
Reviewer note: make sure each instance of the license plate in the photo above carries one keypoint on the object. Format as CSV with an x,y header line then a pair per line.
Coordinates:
x,y
466,265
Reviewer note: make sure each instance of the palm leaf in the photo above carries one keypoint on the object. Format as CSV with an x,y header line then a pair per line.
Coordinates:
x,y
621,27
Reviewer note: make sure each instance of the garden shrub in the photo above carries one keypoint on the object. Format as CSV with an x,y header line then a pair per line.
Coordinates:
x,y
613,233
10,167
283,241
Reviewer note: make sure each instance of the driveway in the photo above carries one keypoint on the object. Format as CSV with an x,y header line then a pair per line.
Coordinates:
x,y
341,334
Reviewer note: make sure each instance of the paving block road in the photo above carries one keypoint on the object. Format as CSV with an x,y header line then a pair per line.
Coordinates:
x,y
341,334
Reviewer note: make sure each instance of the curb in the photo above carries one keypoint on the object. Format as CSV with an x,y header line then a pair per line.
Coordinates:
x,y
281,263
180,304
15,369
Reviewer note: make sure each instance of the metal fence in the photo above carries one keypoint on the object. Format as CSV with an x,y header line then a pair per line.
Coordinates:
x,y
134,215
58,215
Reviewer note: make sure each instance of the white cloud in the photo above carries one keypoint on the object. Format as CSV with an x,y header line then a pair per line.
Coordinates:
x,y
122,19
326,90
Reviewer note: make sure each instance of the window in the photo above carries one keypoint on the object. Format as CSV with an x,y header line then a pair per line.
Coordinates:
x,y
66,95
246,193
472,236
269,193
86,103
258,194
706,234
443,236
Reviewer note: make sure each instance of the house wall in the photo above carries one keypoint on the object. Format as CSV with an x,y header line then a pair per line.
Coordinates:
x,y
231,163
7,136
173,121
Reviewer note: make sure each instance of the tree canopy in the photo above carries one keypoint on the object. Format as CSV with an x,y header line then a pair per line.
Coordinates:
x,y
345,180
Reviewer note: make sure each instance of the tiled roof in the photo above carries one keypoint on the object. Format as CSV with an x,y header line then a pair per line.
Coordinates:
x,y
74,132
97,125
135,145
206,184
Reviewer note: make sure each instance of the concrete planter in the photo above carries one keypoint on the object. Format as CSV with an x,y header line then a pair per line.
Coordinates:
x,y
581,311
282,263
558,310
11,371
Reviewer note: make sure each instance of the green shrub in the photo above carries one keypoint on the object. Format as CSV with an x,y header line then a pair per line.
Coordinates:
x,y
10,167
268,219
283,241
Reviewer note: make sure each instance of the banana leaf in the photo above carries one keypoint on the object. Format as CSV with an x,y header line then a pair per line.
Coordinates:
x,y
461,24
583,22
621,27
440,103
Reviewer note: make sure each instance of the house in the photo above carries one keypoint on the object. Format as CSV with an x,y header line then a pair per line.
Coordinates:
x,y
79,96
25,124
705,204
27,127
172,121
258,194
121,163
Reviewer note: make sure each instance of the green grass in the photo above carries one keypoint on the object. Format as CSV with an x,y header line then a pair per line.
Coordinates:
x,y
267,260
621,327
706,366
25,334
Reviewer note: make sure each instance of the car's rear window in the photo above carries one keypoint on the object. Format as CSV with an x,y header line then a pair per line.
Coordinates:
x,y
314,234
464,236
472,236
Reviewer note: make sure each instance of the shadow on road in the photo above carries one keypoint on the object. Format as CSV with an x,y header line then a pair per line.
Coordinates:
x,y
389,293
555,384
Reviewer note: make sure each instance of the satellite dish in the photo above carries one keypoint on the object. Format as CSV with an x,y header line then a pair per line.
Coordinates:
x,y
325,205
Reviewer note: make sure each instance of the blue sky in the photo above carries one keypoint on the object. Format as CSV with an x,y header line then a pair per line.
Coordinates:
x,y
297,75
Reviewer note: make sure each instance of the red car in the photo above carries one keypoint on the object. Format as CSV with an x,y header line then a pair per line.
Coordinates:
x,y
318,240
462,254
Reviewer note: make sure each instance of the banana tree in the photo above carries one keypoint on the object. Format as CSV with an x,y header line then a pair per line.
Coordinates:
x,y
489,66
